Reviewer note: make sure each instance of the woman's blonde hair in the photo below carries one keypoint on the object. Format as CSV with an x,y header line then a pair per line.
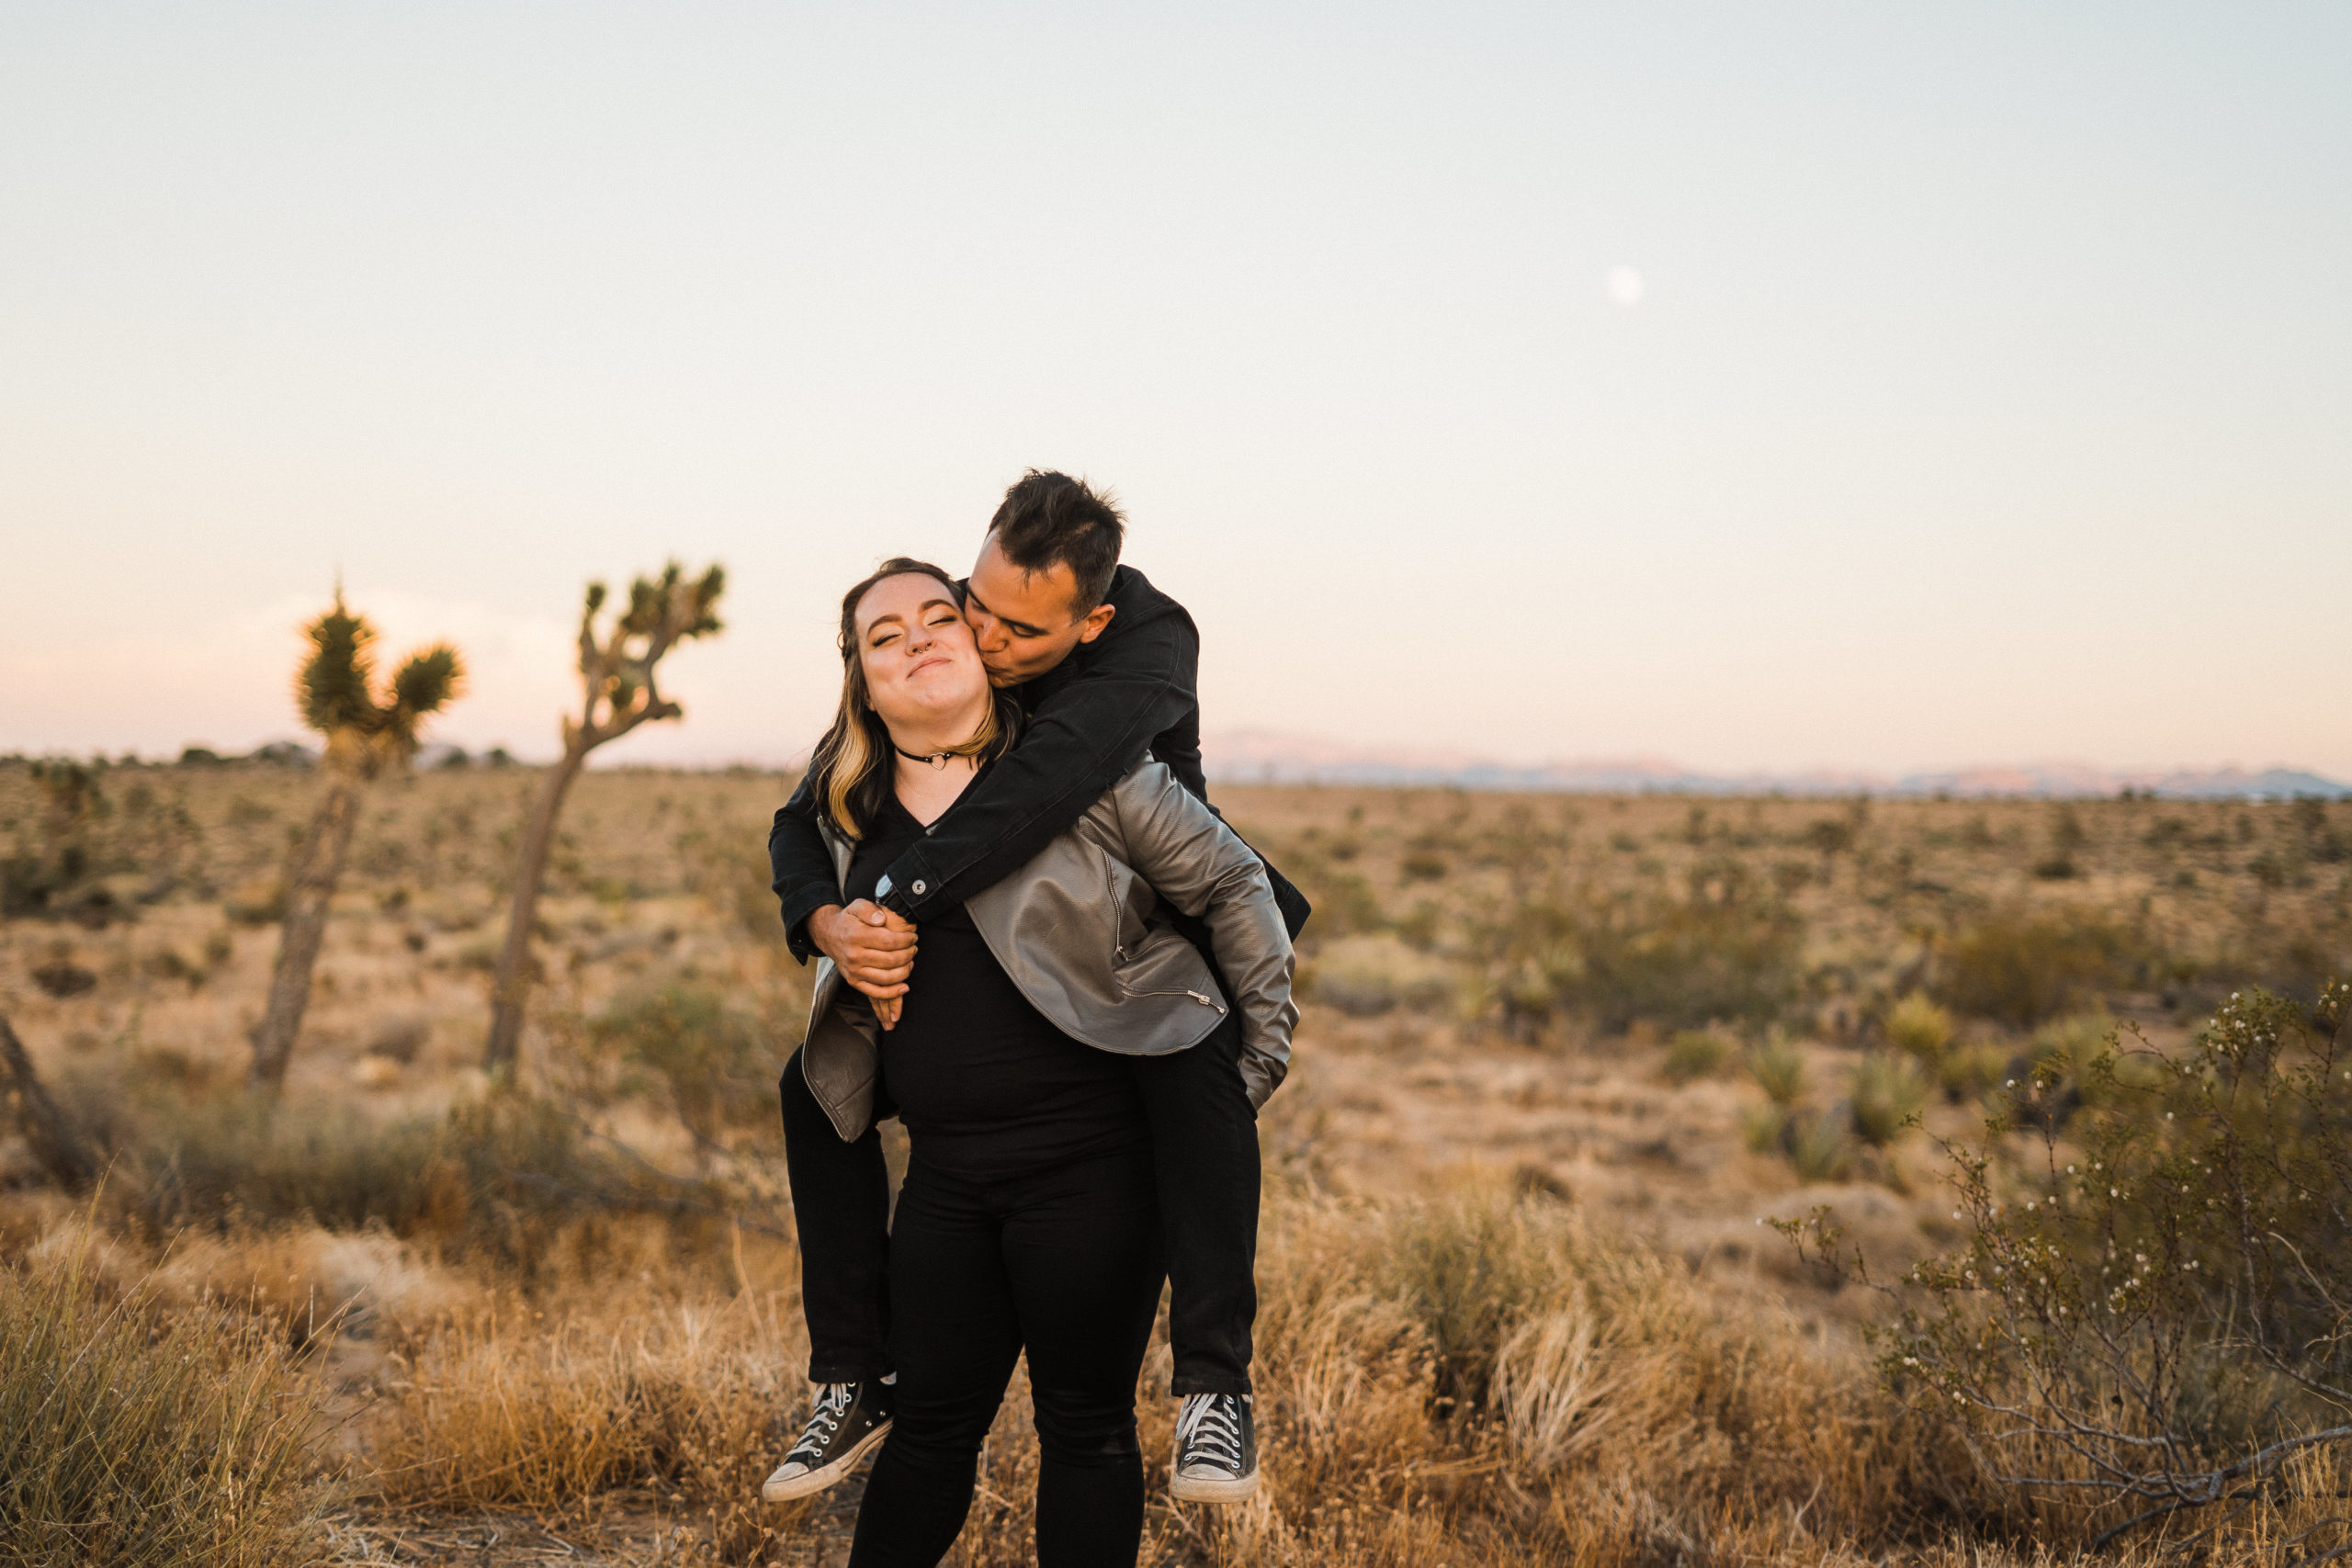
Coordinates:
x,y
850,772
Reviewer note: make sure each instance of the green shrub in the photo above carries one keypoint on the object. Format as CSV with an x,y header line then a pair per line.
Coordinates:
x,y
2022,968
2156,1305
1696,1053
1422,865
1969,1071
1764,1129
1366,975
717,1065
1471,1268
1728,950
1916,1025
501,1177
1820,1145
1344,903
125,1443
1889,1094
1778,1067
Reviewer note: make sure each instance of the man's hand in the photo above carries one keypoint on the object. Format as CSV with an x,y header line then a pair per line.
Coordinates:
x,y
873,947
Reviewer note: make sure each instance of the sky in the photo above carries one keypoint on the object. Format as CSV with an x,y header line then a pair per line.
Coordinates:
x,y
1757,386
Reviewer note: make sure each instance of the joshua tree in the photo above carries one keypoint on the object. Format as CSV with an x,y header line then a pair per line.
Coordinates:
x,y
55,1142
616,678
365,734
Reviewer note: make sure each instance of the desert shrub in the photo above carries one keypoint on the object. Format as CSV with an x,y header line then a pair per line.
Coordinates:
x,y
1366,975
219,1160
126,1441
1967,1071
1828,836
717,1065
2020,968
1820,1144
1696,1053
258,902
501,1177
1778,1067
399,1039
55,874
63,977
1469,1268
1726,951
1918,1025
1890,1092
1423,865
1764,1128
1726,954
2151,1316
1344,901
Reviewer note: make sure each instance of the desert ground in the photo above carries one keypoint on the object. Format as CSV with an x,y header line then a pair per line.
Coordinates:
x,y
1561,1057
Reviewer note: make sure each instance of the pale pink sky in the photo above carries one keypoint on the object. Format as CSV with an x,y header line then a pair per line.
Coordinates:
x,y
1982,398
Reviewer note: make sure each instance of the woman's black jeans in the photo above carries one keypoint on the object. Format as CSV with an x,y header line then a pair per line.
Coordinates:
x,y
1205,1141
1065,1263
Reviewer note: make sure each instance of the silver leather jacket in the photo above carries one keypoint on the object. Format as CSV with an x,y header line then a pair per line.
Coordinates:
x,y
1080,930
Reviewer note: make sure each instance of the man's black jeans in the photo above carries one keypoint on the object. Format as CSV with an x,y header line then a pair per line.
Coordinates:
x,y
1205,1153
1065,1262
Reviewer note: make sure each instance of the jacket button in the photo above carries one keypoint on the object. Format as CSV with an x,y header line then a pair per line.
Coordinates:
x,y
921,889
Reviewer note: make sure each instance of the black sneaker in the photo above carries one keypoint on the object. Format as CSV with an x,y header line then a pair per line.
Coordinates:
x,y
1216,1450
849,1419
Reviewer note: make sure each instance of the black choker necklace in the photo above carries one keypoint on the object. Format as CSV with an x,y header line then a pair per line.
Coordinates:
x,y
937,760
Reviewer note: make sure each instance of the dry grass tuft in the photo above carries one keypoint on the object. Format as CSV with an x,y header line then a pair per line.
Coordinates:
x,y
687,1400
1488,1379
309,1281
129,1440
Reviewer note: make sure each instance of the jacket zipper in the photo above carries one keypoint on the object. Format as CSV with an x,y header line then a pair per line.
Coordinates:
x,y
1204,1001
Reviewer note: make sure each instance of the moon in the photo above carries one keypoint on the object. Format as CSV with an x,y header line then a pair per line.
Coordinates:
x,y
1625,286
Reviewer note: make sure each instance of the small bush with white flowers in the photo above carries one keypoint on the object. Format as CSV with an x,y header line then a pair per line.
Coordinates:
x,y
2149,1324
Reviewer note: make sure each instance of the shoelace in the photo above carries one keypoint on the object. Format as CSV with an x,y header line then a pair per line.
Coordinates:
x,y
1211,1429
831,1406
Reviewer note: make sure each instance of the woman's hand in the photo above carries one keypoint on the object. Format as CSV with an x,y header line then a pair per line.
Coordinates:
x,y
887,1012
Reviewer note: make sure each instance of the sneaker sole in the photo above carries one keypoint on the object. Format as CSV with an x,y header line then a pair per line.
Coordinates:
x,y
1199,1489
802,1485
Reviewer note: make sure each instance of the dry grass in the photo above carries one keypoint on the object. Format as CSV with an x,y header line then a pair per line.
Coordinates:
x,y
684,1399
134,1437
1516,1306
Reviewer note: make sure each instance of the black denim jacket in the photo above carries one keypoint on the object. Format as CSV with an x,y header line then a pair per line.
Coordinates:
x,y
1089,719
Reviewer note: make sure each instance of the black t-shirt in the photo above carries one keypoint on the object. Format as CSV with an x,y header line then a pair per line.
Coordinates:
x,y
985,1084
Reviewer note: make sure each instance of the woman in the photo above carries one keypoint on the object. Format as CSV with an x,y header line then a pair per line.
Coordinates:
x,y
1027,1220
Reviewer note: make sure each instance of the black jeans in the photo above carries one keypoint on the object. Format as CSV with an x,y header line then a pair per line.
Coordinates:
x,y
1065,1263
1205,1150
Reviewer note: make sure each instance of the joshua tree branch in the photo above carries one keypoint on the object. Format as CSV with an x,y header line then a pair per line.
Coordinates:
x,y
663,612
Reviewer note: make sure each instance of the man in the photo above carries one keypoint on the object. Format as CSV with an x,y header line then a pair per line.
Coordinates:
x,y
1104,667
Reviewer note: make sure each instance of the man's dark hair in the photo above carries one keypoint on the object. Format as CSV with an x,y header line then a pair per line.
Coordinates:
x,y
1049,520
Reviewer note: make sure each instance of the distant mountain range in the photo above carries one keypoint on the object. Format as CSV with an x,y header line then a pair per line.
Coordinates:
x,y
1262,756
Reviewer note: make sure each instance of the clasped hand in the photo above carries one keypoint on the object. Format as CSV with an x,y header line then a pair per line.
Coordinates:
x,y
873,947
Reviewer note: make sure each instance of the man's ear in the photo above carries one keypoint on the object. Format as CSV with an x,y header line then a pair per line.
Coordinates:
x,y
1096,619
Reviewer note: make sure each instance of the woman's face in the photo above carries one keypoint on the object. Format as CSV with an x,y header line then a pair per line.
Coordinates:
x,y
922,665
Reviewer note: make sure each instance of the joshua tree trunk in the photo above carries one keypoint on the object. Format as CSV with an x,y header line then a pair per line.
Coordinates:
x,y
317,868
618,692
54,1141
511,989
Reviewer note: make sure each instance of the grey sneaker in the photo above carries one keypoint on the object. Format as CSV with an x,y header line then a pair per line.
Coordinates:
x,y
1216,1450
848,1420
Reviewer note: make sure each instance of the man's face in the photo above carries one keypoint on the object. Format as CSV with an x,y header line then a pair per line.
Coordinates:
x,y
1026,622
